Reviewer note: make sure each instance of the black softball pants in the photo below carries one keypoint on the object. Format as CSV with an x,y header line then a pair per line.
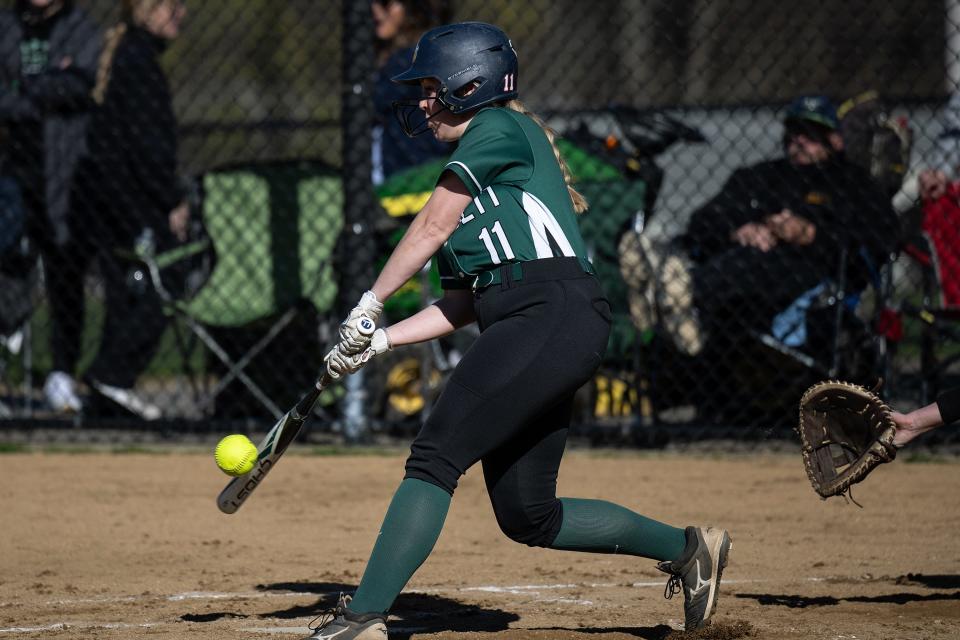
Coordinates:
x,y
508,403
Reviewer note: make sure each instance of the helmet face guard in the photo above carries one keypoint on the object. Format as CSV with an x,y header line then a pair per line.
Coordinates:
x,y
473,62
411,117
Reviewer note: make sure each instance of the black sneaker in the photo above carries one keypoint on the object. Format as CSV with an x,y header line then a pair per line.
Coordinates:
x,y
343,624
697,573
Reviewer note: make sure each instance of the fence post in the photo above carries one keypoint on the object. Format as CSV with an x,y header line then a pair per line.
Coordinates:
x,y
357,244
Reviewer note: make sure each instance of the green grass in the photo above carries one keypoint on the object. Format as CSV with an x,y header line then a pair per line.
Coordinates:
x,y
922,457
140,449
161,449
80,449
67,449
343,450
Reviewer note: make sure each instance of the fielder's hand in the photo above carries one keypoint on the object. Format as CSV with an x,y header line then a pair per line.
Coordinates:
x,y
340,364
355,331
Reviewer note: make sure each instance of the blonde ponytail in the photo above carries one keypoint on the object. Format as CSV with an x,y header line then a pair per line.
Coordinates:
x,y
579,202
132,12
110,43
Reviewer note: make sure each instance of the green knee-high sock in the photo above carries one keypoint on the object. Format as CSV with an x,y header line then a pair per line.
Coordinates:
x,y
410,529
603,527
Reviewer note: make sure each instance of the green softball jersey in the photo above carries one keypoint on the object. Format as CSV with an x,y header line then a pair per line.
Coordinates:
x,y
521,208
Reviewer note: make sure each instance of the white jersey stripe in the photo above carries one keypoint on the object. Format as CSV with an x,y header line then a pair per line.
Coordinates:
x,y
469,173
480,208
542,222
493,197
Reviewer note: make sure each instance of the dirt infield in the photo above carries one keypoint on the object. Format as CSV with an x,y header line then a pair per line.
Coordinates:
x,y
100,545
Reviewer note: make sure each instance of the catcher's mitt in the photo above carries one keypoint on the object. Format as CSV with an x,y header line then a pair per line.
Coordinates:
x,y
846,431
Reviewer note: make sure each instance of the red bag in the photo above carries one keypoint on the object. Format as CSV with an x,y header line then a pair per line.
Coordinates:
x,y
941,223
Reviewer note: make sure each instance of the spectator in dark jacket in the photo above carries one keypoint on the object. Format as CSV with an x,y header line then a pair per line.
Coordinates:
x,y
398,24
128,193
775,231
48,60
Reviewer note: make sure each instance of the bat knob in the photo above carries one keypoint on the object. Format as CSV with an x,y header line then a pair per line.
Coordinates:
x,y
366,326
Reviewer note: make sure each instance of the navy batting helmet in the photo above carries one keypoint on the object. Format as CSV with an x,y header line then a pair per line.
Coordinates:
x,y
474,62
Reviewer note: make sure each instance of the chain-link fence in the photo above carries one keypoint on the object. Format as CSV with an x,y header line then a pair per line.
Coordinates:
x,y
193,201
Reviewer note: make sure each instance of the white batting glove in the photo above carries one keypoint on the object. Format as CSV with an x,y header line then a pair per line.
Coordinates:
x,y
354,338
340,364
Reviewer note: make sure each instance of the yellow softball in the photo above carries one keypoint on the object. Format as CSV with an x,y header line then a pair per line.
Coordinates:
x,y
235,455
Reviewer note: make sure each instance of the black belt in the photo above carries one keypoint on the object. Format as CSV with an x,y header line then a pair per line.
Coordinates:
x,y
512,274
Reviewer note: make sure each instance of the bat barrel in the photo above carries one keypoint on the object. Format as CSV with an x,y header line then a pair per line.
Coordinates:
x,y
270,450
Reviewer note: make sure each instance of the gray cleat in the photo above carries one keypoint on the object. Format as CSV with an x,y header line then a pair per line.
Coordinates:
x,y
343,624
697,573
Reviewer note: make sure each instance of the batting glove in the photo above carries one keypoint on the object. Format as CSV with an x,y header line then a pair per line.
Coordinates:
x,y
355,330
340,364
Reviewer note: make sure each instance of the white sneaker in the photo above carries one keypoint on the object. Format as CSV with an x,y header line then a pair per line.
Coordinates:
x,y
60,390
660,290
676,305
12,342
638,274
129,400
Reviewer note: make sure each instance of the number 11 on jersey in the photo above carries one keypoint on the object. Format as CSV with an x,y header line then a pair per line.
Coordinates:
x,y
488,243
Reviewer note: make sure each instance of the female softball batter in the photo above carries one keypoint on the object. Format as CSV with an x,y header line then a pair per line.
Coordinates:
x,y
511,257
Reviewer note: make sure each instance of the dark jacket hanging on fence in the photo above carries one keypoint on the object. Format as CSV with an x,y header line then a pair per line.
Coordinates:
x,y
129,178
44,105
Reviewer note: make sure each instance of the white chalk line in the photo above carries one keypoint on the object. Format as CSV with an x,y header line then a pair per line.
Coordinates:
x,y
65,626
292,630
303,630
187,595
520,589
529,590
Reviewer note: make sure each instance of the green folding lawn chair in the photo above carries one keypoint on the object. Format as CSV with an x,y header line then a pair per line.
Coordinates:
x,y
273,228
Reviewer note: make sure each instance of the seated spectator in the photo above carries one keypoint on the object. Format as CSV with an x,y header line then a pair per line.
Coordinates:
x,y
774,232
933,189
941,225
928,179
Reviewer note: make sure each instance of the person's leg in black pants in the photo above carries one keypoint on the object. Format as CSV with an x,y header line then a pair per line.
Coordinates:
x,y
131,333
521,479
64,265
132,327
736,292
64,268
745,287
